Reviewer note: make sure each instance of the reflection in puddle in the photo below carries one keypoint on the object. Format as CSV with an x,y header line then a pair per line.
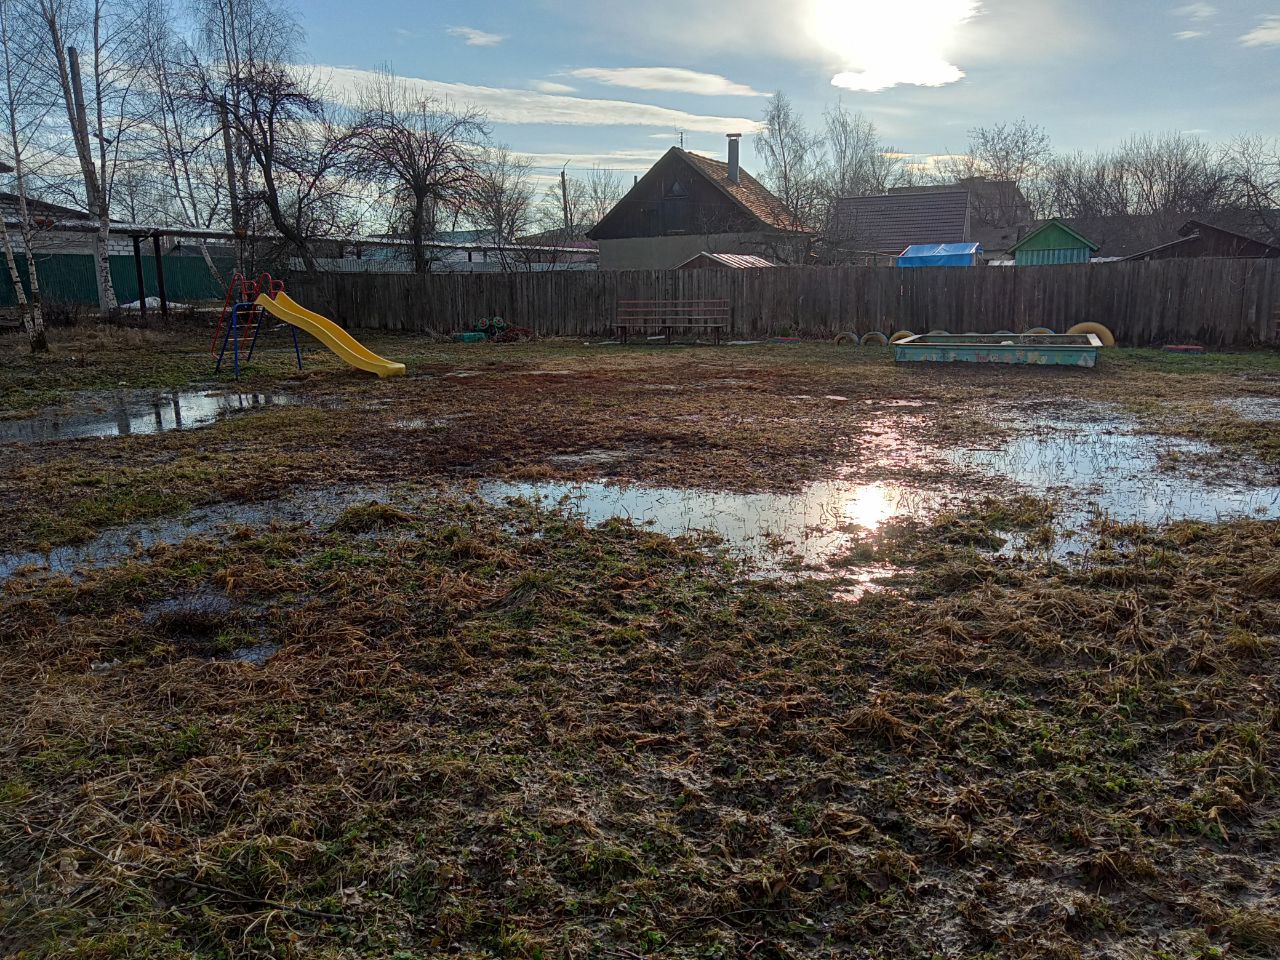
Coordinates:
x,y
1256,409
1095,464
1108,468
127,415
772,530
118,543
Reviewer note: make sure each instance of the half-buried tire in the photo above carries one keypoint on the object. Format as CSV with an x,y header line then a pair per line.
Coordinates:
x,y
1098,330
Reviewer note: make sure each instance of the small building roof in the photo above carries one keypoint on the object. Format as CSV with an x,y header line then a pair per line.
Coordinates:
x,y
894,221
734,261
1051,225
1193,230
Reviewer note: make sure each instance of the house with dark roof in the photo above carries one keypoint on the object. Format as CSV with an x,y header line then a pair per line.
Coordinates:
x,y
1199,239
689,204
884,226
994,213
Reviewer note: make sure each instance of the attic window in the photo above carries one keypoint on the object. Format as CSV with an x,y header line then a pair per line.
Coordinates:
x,y
677,190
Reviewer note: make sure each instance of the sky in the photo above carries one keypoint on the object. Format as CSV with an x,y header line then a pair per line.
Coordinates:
x,y
612,82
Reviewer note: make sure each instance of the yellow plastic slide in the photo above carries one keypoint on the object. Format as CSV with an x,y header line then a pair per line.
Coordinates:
x,y
347,347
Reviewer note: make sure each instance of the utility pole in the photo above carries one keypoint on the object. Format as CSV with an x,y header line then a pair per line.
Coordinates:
x,y
564,200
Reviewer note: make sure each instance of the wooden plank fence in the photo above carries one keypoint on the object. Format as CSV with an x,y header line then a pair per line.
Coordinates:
x,y
1220,303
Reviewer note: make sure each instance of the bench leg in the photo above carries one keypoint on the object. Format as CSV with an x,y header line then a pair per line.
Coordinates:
x,y
668,336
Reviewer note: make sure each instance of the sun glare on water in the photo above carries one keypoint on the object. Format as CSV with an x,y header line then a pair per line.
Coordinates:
x,y
881,45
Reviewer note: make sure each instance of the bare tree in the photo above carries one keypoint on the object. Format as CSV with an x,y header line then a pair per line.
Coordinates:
x,y
605,190
1087,185
423,153
1255,163
60,22
857,163
792,157
501,201
295,147
1163,176
1177,173
569,209
1018,153
183,149
238,71
16,90
17,87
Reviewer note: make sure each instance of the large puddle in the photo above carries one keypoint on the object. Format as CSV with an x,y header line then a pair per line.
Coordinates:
x,y
1100,466
1108,468
119,543
777,532
1096,465
128,414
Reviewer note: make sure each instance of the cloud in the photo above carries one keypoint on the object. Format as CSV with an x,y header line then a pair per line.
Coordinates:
x,y
884,45
550,86
629,160
1265,34
874,41
1189,34
670,79
476,38
504,105
1197,11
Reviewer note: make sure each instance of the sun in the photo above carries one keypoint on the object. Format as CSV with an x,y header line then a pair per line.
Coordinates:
x,y
880,45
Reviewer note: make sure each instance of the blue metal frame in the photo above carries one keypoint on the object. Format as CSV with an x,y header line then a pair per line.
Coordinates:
x,y
232,337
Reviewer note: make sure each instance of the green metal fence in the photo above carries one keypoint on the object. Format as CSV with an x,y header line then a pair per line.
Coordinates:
x,y
70,278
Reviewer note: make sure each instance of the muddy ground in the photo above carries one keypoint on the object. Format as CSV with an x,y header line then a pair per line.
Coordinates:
x,y
982,662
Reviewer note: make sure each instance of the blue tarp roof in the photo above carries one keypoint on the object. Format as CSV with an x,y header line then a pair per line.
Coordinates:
x,y
940,255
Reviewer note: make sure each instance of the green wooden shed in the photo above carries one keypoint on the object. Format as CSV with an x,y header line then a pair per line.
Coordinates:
x,y
1052,243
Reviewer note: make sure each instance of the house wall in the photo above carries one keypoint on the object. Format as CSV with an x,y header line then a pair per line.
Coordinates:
x,y
1216,245
664,253
1052,257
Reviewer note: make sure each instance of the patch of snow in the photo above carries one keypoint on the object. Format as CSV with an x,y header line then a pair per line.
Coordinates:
x,y
153,303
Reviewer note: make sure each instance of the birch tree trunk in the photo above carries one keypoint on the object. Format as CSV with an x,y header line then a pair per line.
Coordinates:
x,y
77,118
34,318
18,291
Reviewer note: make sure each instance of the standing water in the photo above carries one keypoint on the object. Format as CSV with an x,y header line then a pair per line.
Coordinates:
x,y
129,415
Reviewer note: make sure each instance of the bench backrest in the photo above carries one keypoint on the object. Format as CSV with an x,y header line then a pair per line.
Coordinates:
x,y
674,312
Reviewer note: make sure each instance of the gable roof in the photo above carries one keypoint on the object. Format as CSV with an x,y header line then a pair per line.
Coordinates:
x,y
1061,225
735,261
42,209
1194,230
1236,231
749,195
892,222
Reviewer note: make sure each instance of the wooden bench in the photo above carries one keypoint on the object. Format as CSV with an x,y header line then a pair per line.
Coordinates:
x,y
664,316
